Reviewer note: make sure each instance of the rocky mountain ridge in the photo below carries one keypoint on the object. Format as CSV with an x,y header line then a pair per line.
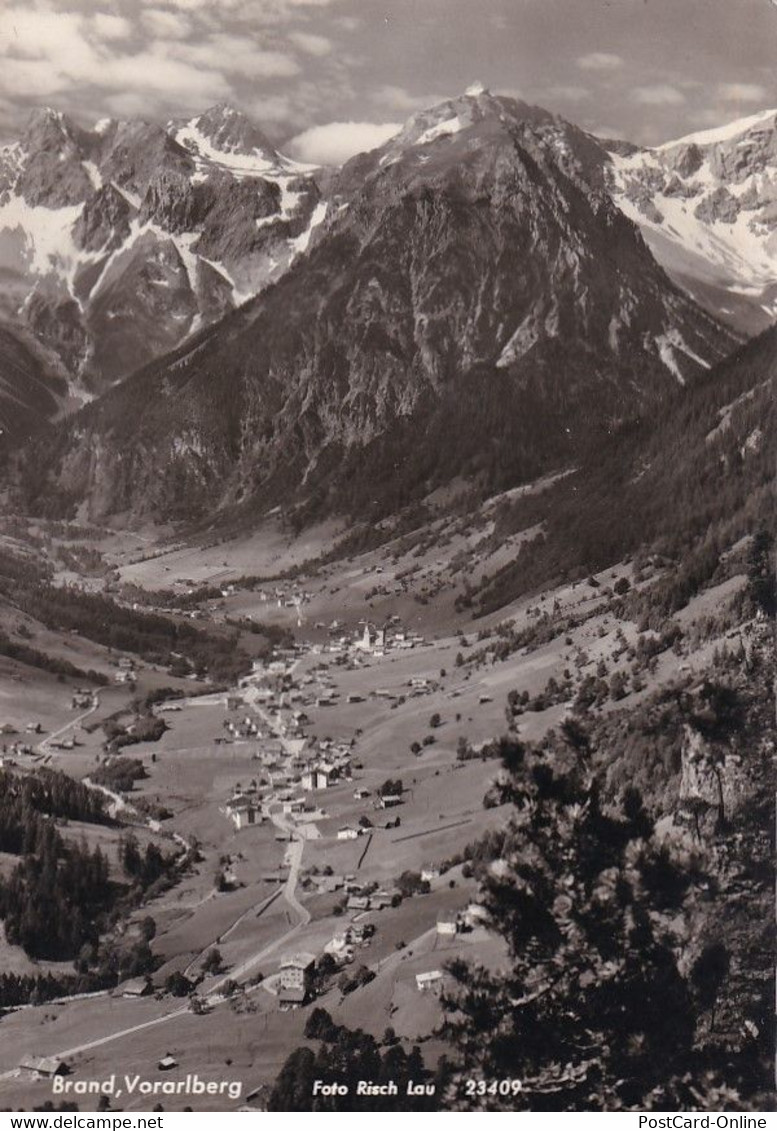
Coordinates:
x,y
707,207
118,242
471,304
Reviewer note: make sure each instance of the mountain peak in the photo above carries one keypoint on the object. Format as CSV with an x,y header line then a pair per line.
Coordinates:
x,y
48,126
231,131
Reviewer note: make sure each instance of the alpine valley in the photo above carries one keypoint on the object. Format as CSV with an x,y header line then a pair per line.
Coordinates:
x,y
387,616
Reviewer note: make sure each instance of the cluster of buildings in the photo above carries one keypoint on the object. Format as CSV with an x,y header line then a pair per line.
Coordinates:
x,y
126,672
342,946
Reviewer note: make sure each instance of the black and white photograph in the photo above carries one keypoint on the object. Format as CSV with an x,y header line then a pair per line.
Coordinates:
x,y
387,559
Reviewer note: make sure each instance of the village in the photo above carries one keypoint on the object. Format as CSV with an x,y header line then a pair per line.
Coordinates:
x,y
331,797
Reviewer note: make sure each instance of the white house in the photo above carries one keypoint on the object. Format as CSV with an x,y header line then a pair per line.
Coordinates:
x,y
431,980
447,925
242,811
347,832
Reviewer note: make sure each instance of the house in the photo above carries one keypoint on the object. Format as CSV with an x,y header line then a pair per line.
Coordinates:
x,y
358,903
430,872
136,987
291,996
328,883
388,801
348,832
319,777
361,793
44,1066
431,980
447,925
242,811
167,1062
295,977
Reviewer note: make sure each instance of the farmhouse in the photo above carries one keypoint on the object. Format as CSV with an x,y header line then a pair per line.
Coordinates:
x,y
136,987
44,1067
296,974
242,811
388,801
447,925
319,777
431,980
358,903
348,832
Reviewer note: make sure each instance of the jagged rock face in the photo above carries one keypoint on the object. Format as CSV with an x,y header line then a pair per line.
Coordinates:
x,y
471,304
707,206
104,222
55,320
29,392
76,204
139,152
231,132
53,174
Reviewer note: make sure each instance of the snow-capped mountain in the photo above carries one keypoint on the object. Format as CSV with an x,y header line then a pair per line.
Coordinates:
x,y
707,207
117,243
471,305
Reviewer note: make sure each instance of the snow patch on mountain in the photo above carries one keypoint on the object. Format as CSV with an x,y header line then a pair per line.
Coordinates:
x,y
442,129
707,207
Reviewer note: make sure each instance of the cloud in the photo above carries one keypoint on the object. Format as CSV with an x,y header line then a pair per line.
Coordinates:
x,y
335,142
231,54
600,61
742,92
662,94
311,44
111,27
162,24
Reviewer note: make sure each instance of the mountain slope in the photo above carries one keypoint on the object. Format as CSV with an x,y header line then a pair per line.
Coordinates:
x,y
471,304
152,231
30,392
686,483
707,207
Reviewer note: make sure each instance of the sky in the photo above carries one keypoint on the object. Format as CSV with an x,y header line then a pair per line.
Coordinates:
x,y
327,78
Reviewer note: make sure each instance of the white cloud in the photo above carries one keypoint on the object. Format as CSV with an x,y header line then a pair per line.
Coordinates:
x,y
110,27
600,61
742,92
662,94
335,142
311,44
231,54
162,24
